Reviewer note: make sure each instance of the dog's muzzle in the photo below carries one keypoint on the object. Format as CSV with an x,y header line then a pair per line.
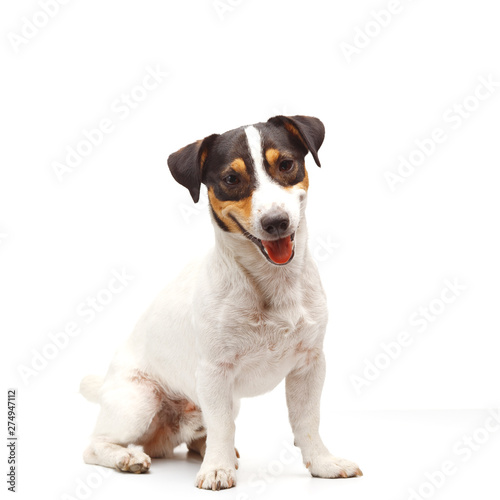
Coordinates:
x,y
278,251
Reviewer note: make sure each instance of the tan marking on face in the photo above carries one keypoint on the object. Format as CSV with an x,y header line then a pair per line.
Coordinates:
x,y
303,184
238,165
241,210
272,156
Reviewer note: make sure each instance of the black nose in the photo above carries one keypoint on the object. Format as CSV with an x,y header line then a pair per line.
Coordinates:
x,y
275,223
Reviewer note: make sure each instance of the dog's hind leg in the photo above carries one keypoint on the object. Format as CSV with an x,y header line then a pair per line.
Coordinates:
x,y
130,459
129,416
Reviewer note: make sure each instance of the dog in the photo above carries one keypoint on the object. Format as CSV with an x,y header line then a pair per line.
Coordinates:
x,y
232,325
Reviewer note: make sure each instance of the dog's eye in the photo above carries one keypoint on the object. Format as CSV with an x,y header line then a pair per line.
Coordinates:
x,y
231,180
286,165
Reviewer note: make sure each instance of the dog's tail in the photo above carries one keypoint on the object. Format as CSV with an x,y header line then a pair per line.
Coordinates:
x,y
90,387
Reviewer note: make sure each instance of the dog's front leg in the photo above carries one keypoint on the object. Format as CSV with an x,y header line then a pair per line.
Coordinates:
x,y
303,394
214,386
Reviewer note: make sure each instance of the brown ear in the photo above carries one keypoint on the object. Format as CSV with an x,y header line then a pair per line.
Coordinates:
x,y
309,130
187,163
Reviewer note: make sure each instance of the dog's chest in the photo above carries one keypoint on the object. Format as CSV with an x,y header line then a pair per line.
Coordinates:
x,y
270,345
259,334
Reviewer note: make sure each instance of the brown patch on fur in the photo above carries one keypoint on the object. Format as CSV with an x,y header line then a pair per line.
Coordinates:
x,y
308,464
304,184
157,441
272,156
238,165
203,157
172,412
240,209
293,130
143,378
190,407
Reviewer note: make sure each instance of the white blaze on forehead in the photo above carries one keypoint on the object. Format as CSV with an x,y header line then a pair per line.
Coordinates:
x,y
268,193
255,145
262,178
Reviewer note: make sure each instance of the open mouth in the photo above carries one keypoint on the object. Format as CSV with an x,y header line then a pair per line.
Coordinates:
x,y
278,252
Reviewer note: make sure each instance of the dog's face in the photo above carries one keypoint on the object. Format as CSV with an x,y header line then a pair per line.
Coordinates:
x,y
256,179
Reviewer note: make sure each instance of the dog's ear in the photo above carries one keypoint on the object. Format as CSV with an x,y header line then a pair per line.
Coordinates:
x,y
187,163
309,130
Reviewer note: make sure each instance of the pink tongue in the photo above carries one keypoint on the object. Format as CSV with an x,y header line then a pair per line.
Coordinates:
x,y
279,251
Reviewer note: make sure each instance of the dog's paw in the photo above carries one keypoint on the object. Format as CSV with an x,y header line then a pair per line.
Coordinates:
x,y
216,478
133,459
328,466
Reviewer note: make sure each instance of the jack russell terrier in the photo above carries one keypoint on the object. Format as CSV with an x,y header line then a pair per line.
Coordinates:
x,y
232,325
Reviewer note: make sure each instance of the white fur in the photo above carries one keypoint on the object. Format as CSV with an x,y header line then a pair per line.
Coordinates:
x,y
268,193
232,325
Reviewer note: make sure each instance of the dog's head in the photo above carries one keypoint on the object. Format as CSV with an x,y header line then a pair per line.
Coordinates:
x,y
256,179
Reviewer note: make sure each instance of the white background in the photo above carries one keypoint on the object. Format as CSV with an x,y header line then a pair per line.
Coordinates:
x,y
382,253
